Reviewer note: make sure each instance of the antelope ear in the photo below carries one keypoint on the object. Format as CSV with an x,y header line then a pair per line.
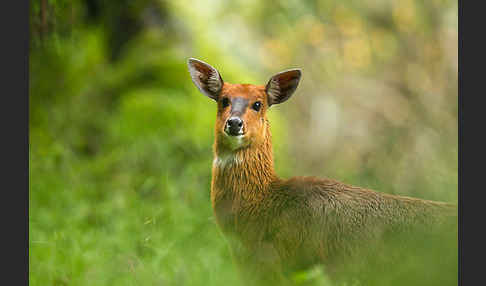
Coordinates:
x,y
205,77
282,85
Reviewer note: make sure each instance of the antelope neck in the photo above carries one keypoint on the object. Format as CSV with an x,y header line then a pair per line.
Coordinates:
x,y
247,172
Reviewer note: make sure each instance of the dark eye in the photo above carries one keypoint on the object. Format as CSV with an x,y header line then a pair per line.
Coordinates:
x,y
257,105
225,102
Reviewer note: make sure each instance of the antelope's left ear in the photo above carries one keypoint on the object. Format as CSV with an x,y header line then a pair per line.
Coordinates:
x,y
282,85
205,77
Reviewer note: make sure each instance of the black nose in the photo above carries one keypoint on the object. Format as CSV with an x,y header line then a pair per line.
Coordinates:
x,y
234,126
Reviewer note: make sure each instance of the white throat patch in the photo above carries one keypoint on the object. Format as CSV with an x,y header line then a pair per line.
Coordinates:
x,y
226,160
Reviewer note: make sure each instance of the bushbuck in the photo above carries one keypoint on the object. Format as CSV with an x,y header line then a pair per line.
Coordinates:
x,y
277,225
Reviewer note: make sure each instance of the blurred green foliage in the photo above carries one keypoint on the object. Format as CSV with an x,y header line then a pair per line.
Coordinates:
x,y
120,139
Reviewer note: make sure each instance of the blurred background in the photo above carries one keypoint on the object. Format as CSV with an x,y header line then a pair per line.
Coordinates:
x,y
120,138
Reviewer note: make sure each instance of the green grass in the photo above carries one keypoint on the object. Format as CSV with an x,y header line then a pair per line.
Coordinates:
x,y
135,213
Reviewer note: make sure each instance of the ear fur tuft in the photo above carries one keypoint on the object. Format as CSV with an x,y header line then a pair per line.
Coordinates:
x,y
282,85
205,77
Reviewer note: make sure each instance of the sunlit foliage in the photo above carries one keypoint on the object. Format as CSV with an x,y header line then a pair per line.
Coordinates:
x,y
120,139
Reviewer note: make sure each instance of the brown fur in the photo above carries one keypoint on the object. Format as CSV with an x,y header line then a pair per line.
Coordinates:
x,y
297,222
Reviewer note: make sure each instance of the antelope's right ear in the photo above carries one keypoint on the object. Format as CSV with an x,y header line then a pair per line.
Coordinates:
x,y
205,77
282,85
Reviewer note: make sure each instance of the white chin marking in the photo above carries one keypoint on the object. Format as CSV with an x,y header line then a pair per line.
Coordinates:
x,y
235,142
